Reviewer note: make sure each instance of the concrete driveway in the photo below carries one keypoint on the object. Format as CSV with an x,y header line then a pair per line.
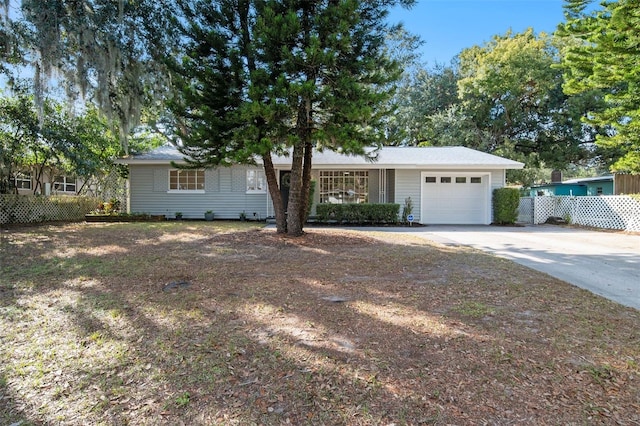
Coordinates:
x,y
605,263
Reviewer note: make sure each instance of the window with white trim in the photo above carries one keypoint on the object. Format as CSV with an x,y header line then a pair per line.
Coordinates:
x,y
256,181
64,184
344,186
22,180
186,180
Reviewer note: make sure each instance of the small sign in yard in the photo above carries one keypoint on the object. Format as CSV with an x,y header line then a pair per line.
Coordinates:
x,y
410,219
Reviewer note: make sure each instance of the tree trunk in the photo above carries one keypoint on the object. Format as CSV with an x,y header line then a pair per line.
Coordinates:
x,y
294,224
274,191
306,181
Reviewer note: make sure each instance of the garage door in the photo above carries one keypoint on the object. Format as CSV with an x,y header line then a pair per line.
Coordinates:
x,y
455,199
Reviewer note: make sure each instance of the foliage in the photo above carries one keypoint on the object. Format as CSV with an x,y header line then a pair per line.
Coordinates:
x,y
505,206
97,51
263,77
504,97
358,213
601,54
18,131
512,93
80,144
421,96
407,210
109,207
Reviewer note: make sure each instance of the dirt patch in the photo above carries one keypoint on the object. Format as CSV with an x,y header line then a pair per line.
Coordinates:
x,y
335,327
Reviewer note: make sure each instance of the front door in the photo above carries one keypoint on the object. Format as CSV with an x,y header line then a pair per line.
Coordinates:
x,y
285,183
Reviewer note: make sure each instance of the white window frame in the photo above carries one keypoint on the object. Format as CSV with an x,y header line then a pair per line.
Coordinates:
x,y
22,178
181,187
67,181
332,181
256,181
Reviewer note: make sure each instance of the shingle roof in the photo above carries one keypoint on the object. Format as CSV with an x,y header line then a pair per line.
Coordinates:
x,y
387,157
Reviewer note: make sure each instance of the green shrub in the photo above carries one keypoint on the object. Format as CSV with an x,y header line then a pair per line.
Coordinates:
x,y
408,209
357,213
505,206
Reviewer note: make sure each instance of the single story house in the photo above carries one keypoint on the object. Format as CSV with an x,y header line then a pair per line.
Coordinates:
x,y
48,182
601,185
447,185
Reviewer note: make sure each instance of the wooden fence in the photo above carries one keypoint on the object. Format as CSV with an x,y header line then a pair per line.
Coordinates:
x,y
626,184
40,208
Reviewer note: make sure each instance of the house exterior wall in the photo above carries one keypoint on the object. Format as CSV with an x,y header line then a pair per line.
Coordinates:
x,y
224,192
559,189
606,186
44,184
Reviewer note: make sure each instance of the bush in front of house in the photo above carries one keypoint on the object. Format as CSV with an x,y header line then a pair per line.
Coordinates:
x,y
358,213
505,206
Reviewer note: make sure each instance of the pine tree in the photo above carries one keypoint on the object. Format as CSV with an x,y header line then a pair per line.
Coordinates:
x,y
603,53
274,76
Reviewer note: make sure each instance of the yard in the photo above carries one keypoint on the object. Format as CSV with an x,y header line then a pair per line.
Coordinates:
x,y
228,323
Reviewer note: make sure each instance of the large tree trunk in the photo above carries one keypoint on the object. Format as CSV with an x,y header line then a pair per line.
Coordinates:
x,y
296,202
274,191
306,181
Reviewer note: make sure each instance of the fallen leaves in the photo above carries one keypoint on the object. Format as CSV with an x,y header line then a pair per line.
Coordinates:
x,y
336,327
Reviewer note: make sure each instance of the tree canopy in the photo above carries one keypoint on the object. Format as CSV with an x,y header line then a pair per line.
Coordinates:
x,y
263,77
92,49
602,52
80,144
504,97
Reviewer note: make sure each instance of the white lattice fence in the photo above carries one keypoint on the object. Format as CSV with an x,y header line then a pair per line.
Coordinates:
x,y
545,207
38,208
608,211
525,210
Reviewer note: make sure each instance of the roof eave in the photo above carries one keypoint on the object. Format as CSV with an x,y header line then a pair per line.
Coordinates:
x,y
148,162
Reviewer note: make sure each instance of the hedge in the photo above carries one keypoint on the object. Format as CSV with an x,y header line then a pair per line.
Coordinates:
x,y
358,213
505,206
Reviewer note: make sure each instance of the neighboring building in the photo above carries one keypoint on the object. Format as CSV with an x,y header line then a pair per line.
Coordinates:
x,y
50,182
602,185
447,185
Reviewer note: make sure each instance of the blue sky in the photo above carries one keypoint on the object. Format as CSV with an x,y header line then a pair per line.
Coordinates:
x,y
449,26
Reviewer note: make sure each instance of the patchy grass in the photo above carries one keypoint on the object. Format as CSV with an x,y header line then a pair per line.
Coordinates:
x,y
337,327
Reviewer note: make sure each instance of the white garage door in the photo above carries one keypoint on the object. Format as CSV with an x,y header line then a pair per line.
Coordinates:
x,y
455,199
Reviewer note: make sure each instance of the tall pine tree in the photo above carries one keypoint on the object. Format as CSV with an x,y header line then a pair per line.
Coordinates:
x,y
603,53
274,76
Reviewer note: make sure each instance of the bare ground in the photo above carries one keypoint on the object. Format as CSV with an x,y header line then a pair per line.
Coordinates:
x,y
194,323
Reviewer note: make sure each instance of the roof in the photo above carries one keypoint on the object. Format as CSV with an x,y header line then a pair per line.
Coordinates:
x,y
387,157
591,179
576,182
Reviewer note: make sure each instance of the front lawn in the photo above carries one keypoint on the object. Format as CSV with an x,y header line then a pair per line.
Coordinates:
x,y
205,323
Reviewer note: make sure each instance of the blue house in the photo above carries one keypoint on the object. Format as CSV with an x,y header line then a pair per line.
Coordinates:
x,y
602,185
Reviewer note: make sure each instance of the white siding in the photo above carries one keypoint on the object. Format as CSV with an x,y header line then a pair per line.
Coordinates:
x,y
227,197
407,184
225,191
